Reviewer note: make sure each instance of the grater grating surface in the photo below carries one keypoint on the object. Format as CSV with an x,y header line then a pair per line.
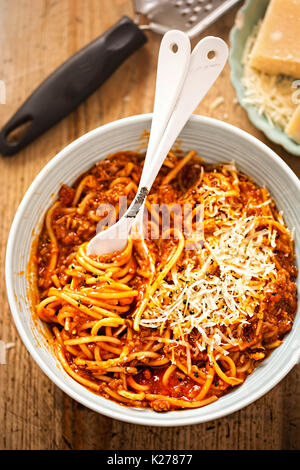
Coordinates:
x,y
190,16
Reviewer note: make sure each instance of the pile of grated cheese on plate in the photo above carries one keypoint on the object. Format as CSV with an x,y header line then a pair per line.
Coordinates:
x,y
270,94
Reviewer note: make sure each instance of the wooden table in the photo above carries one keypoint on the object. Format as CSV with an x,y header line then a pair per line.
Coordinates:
x,y
35,37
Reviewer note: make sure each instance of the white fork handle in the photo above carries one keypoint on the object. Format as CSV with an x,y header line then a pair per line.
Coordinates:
x,y
173,63
172,68
202,73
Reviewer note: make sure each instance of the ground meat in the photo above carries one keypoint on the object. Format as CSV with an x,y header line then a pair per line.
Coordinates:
x,y
281,304
66,195
160,405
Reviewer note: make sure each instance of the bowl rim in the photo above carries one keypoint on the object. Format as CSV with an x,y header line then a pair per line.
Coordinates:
x,y
155,419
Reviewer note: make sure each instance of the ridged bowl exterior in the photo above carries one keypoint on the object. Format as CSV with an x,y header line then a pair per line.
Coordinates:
x,y
216,142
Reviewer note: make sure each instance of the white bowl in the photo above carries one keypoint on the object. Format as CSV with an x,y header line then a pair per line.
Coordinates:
x,y
215,141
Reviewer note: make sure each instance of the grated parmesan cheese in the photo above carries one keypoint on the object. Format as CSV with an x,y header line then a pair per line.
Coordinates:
x,y
218,290
201,301
270,94
217,102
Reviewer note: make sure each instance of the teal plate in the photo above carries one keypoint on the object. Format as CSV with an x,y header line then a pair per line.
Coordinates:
x,y
247,18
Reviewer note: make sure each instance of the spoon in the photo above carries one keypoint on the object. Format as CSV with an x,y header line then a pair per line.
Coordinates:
x,y
189,86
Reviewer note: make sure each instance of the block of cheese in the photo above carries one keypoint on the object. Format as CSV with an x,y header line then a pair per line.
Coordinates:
x,y
277,48
293,127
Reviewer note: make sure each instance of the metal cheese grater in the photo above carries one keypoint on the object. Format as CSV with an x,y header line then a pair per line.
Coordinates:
x,y
84,72
190,16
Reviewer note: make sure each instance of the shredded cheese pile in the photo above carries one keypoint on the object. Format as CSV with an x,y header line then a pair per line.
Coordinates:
x,y
206,302
271,94
221,285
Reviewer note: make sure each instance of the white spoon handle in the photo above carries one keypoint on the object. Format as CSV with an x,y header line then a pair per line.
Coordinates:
x,y
189,89
173,63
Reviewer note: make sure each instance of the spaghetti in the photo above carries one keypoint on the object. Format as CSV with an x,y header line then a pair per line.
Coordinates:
x,y
181,317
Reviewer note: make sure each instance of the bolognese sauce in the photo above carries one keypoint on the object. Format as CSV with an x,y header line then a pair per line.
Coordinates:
x,y
179,317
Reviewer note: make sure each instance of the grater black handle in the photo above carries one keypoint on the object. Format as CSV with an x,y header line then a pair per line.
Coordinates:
x,y
72,83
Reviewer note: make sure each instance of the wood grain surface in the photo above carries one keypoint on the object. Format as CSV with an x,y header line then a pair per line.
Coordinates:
x,y
35,37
